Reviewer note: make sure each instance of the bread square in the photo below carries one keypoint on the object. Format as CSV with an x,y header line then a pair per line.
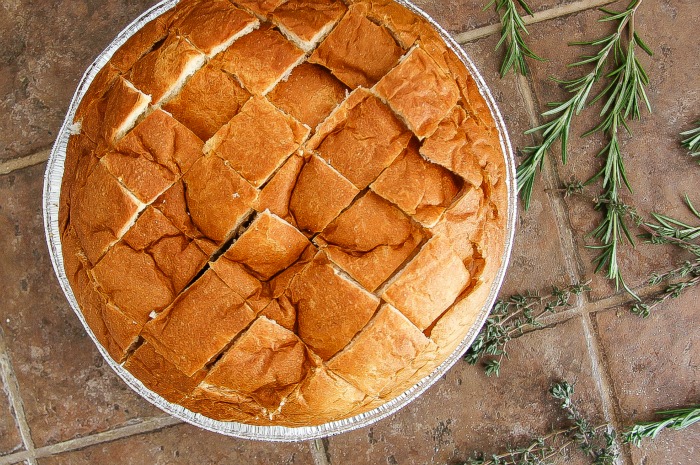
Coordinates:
x,y
260,59
162,72
309,94
331,309
159,375
429,284
216,199
420,188
152,263
153,155
370,240
307,22
208,307
323,396
257,140
404,347
141,43
463,223
319,195
420,91
268,246
107,119
372,53
266,363
207,101
452,145
212,25
101,209
361,127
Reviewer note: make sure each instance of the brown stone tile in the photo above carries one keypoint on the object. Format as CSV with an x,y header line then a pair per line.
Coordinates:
x,y
465,411
67,388
537,244
659,169
185,444
10,440
654,364
44,49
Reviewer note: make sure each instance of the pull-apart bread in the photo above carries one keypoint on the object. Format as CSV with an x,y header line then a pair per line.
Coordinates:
x,y
282,212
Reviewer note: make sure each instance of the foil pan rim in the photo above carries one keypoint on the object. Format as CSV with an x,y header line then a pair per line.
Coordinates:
x,y
51,193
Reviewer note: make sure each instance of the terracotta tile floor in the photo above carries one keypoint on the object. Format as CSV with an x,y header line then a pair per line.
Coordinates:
x,y
61,404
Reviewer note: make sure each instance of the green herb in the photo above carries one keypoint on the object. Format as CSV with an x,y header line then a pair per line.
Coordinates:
x,y
512,27
666,230
624,95
514,317
596,442
670,419
692,142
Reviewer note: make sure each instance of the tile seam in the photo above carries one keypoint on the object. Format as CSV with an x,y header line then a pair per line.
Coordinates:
x,y
15,164
12,386
540,16
319,453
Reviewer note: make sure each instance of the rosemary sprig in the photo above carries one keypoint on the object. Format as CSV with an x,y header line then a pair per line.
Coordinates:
x,y
512,27
692,142
624,95
676,419
513,317
597,442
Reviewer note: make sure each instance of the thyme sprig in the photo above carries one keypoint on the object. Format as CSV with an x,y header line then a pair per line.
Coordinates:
x,y
512,29
666,230
624,96
676,419
513,317
596,442
692,142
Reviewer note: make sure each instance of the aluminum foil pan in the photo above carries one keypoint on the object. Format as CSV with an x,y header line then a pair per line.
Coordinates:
x,y
52,187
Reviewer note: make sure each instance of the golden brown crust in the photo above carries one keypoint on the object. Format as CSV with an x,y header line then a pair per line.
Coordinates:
x,y
419,91
161,376
197,108
321,397
330,308
463,222
268,246
141,43
260,59
257,140
307,21
211,25
429,284
208,306
260,7
421,189
357,51
160,72
362,124
370,240
319,195
403,347
153,155
275,195
217,198
309,94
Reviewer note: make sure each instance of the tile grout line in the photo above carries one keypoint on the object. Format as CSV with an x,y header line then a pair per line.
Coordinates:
x,y
10,382
145,426
538,17
15,164
319,453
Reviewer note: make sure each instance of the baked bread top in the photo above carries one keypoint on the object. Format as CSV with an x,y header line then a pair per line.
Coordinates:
x,y
282,212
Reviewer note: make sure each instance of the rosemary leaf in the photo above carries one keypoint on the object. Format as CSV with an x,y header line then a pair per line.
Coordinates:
x,y
670,419
692,141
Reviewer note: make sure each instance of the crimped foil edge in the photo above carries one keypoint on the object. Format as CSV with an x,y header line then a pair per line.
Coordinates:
x,y
51,194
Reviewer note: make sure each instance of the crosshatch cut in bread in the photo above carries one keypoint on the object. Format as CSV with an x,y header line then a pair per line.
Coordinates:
x,y
282,212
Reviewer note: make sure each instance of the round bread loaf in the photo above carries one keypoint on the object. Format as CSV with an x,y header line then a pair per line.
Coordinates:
x,y
282,212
